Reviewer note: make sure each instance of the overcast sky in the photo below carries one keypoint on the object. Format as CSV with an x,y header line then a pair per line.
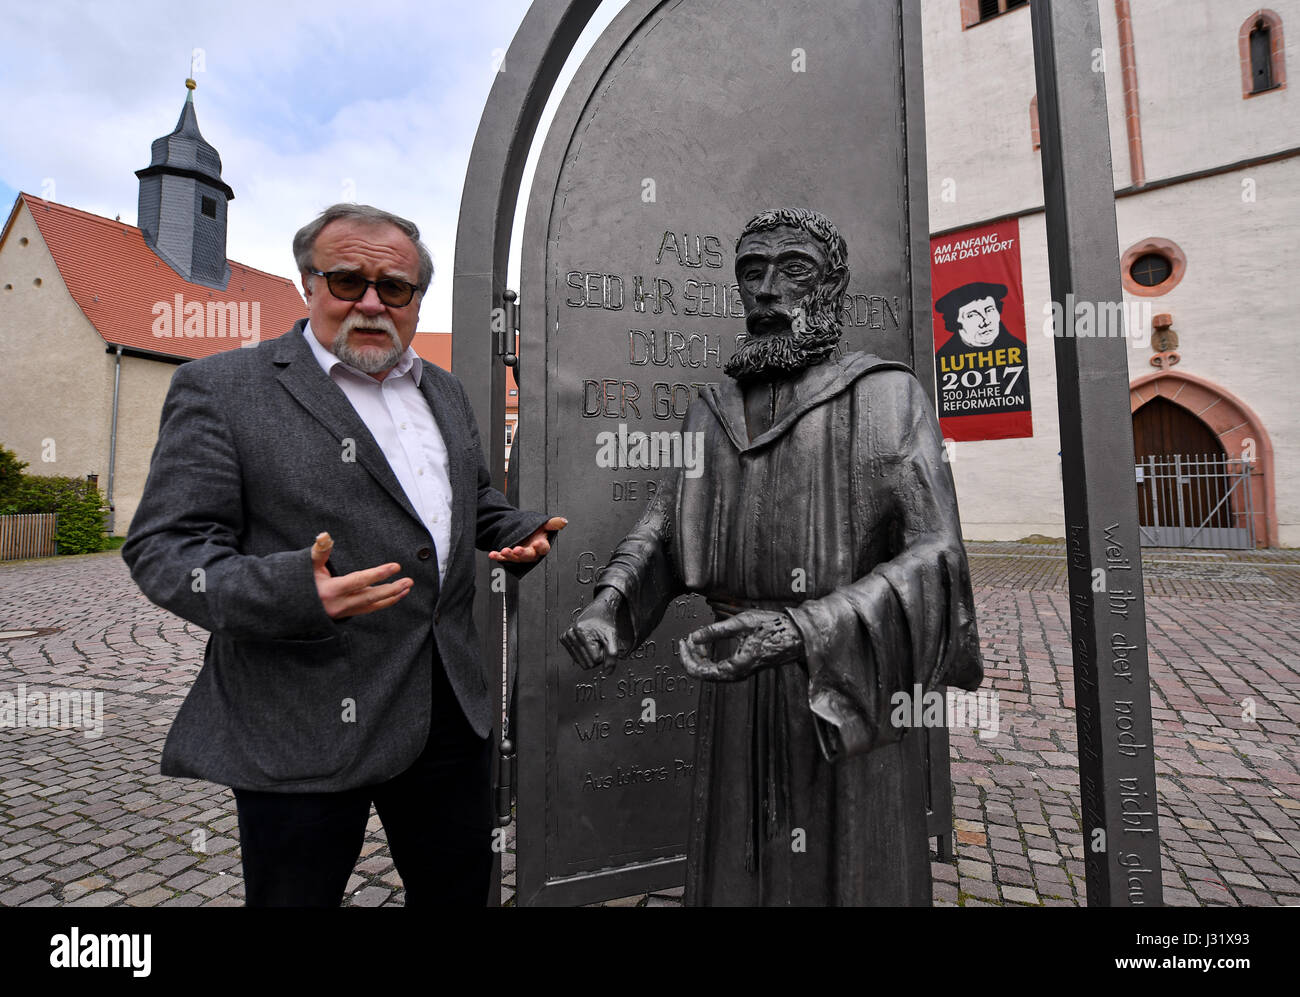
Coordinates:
x,y
307,103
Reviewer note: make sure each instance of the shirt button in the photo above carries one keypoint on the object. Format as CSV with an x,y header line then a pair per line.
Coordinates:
x,y
420,472
424,553
403,425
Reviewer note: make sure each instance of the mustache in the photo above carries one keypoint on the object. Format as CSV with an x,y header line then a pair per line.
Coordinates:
x,y
381,322
761,316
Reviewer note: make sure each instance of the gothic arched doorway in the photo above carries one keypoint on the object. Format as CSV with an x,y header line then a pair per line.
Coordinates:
x,y
1187,485
1204,465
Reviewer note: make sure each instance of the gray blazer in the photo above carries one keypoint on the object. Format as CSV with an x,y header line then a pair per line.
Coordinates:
x,y
251,463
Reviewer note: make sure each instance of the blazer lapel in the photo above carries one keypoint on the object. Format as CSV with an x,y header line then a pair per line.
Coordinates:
x,y
455,436
316,391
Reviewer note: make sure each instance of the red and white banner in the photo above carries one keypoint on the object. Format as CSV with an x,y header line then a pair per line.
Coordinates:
x,y
981,362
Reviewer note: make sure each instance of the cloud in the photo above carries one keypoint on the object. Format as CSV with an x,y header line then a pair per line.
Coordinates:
x,y
307,103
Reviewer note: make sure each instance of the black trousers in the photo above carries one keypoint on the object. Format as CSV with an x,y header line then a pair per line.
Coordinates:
x,y
299,848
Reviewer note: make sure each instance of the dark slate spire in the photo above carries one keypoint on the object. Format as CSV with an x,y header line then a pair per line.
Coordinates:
x,y
183,202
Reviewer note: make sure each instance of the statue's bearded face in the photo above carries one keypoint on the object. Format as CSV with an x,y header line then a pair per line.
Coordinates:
x,y
790,303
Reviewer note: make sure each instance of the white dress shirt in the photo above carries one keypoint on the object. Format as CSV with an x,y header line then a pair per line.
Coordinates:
x,y
399,418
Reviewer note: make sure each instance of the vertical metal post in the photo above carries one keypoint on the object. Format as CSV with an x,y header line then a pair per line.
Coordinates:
x,y
1107,619
1248,506
938,769
1181,481
487,210
112,444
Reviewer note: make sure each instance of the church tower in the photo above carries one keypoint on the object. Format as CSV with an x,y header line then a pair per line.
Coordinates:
x,y
183,202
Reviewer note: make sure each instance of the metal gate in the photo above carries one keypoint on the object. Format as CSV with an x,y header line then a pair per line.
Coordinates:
x,y
1195,501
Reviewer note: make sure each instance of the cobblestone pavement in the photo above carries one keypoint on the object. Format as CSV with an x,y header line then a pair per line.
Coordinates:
x,y
88,820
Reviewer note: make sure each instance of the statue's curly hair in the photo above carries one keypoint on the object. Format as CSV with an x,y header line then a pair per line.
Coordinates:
x,y
813,222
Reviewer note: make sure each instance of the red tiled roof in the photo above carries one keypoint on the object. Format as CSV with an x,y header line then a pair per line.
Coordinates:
x,y
121,285
436,348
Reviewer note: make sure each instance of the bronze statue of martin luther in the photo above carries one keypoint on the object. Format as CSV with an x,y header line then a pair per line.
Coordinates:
x,y
824,533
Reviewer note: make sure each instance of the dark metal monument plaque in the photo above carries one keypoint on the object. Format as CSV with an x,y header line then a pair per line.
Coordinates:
x,y
686,118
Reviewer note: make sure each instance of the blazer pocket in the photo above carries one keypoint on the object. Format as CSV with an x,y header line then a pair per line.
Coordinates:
x,y
307,643
301,710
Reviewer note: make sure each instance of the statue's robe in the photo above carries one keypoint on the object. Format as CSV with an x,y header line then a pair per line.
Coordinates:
x,y
841,511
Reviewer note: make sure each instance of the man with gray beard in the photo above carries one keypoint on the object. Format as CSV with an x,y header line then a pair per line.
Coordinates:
x,y
824,533
290,485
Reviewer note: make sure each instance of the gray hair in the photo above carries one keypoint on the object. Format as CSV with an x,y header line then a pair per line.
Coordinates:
x,y
304,243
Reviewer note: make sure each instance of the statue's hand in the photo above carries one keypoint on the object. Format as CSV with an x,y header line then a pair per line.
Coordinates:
x,y
763,639
593,640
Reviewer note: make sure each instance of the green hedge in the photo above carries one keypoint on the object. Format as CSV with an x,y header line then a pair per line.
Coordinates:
x,y
11,477
80,506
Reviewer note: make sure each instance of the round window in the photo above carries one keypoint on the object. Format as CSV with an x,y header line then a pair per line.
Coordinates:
x,y
1151,269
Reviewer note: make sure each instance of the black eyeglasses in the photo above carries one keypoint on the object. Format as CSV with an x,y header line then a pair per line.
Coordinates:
x,y
348,285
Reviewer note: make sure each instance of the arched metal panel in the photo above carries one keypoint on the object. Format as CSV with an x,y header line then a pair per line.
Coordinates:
x,y
686,118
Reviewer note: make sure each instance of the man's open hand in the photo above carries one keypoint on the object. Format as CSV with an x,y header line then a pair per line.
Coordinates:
x,y
357,593
763,639
538,545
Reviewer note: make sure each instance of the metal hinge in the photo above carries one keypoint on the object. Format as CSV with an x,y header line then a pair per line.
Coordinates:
x,y
508,328
505,781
